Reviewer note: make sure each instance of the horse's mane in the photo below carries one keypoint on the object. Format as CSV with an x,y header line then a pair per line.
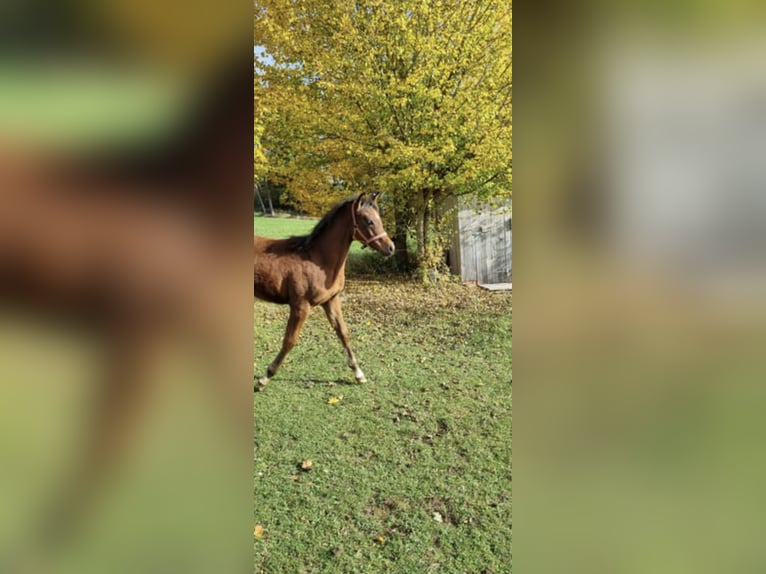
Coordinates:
x,y
304,242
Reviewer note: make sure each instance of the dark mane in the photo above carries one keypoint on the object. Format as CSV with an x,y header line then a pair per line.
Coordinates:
x,y
303,242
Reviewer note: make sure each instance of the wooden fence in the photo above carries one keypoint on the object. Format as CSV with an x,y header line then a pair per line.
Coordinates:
x,y
481,248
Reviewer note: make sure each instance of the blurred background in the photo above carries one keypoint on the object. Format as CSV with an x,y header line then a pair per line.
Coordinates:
x,y
640,316
125,215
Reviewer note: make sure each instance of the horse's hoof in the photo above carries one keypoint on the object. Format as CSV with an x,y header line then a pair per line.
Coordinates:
x,y
361,378
262,382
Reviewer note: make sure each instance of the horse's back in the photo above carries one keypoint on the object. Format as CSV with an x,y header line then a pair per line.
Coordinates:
x,y
261,244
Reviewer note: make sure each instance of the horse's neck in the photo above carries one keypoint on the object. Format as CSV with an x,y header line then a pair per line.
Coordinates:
x,y
331,249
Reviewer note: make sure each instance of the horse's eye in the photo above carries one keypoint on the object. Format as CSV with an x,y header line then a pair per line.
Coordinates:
x,y
369,222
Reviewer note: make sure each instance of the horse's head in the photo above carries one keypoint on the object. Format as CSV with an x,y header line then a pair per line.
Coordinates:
x,y
368,226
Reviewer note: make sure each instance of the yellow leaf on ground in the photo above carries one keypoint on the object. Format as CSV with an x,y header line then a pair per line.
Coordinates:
x,y
335,400
258,531
307,465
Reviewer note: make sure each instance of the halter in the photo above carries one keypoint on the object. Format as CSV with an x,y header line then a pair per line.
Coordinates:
x,y
358,232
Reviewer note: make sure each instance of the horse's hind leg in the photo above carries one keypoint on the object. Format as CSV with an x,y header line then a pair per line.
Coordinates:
x,y
116,411
335,316
298,316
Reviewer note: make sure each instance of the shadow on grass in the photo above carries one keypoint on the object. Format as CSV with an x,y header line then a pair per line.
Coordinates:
x,y
326,382
332,382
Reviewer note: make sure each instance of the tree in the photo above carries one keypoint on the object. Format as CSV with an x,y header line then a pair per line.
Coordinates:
x,y
260,165
410,98
259,159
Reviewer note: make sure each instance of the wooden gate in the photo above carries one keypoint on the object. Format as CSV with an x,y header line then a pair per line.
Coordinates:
x,y
481,248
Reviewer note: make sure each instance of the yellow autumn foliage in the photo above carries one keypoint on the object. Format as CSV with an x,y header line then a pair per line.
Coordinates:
x,y
409,98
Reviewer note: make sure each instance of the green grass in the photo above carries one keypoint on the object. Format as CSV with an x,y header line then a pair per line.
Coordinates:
x,y
282,226
411,471
277,227
361,262
92,106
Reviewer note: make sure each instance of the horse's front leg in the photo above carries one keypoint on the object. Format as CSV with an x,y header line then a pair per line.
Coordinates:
x,y
298,315
116,412
335,316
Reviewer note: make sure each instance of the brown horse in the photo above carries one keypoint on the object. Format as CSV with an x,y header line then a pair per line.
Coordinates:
x,y
144,249
307,271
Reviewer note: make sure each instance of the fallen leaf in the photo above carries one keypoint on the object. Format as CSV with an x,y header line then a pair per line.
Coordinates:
x,y
379,539
438,517
335,400
307,465
258,531
293,477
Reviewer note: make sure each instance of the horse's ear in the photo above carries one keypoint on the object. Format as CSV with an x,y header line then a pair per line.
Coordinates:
x,y
360,200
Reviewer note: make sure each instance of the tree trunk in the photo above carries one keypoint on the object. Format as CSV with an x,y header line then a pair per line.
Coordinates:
x,y
402,221
422,223
426,231
260,199
426,262
420,234
268,196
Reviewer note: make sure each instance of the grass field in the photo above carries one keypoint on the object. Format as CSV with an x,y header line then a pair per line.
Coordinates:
x,y
410,472
282,226
359,260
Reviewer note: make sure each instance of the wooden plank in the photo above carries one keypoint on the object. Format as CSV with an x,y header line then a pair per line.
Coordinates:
x,y
481,250
503,246
496,286
467,241
509,241
496,245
